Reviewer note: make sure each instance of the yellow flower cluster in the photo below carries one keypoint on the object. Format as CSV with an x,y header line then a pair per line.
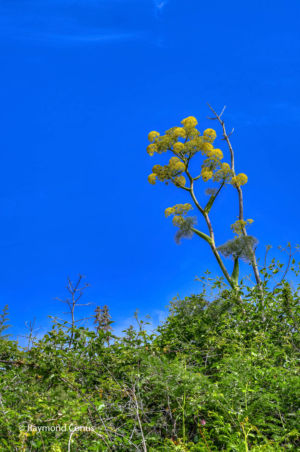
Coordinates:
x,y
193,145
168,172
213,162
161,143
180,181
215,154
178,209
240,179
178,147
189,122
179,132
193,141
152,179
176,165
224,173
151,148
177,220
239,225
210,135
152,136
207,147
206,173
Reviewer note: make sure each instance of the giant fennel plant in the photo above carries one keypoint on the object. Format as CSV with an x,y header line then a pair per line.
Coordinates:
x,y
184,144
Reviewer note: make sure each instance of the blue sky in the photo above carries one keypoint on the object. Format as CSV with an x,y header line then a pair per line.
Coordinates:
x,y
82,84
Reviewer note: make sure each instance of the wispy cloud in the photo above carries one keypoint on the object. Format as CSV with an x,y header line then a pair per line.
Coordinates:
x,y
55,23
79,37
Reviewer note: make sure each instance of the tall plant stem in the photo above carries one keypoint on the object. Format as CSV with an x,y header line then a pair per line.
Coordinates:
x,y
240,196
211,242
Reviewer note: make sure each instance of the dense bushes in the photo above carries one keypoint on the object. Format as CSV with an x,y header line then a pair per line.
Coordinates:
x,y
217,375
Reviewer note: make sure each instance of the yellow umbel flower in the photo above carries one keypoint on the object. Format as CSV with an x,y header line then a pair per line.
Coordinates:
x,y
156,169
225,167
224,173
152,179
178,209
206,174
173,161
239,225
210,134
240,179
177,220
169,211
215,154
179,166
179,132
180,180
151,148
207,147
189,122
152,135
218,154
178,147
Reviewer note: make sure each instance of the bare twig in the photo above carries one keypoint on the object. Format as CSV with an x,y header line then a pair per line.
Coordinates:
x,y
139,418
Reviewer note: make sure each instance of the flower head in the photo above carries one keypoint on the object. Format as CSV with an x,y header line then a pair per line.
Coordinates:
x,y
207,147
179,166
239,225
152,179
152,136
240,179
210,134
169,211
177,220
180,180
179,132
206,173
215,154
178,147
189,122
151,148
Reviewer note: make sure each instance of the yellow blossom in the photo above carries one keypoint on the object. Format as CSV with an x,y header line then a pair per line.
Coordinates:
x,y
224,173
189,122
178,209
206,174
169,211
180,180
210,134
215,154
179,166
179,132
239,225
207,147
240,179
152,135
151,148
218,154
177,220
225,167
178,147
173,161
152,178
156,169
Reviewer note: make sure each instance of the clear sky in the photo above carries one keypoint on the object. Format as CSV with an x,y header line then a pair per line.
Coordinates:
x,y
82,84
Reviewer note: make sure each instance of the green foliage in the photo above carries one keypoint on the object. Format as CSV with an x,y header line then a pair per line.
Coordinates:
x,y
216,375
3,322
